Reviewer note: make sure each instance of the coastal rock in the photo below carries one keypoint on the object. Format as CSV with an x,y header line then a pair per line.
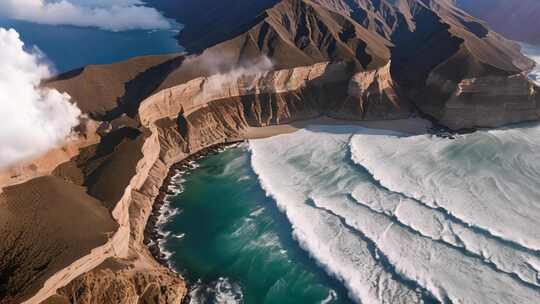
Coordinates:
x,y
490,102
114,282
282,96
373,95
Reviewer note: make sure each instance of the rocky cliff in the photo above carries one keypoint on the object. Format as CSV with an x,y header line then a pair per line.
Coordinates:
x,y
427,48
298,59
488,102
515,19
125,170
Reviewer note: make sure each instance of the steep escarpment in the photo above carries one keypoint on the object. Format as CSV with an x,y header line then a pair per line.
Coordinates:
x,y
430,47
362,60
133,168
284,96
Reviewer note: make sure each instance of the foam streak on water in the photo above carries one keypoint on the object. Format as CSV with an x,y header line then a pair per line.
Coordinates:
x,y
532,52
406,219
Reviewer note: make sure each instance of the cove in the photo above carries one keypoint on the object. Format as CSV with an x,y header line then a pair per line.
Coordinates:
x,y
233,245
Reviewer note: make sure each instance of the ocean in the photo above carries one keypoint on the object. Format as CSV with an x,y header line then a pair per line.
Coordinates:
x,y
363,216
233,244
69,47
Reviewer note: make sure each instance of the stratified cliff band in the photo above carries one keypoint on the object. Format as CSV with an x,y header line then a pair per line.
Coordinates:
x,y
290,61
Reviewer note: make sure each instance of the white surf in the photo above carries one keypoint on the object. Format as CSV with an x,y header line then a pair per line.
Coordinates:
x,y
403,219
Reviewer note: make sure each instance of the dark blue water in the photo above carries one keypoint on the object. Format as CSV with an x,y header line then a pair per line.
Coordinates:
x,y
70,47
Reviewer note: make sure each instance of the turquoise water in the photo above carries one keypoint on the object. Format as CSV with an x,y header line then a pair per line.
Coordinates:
x,y
397,218
70,47
234,245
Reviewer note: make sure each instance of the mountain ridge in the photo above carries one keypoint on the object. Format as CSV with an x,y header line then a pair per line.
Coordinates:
x,y
424,41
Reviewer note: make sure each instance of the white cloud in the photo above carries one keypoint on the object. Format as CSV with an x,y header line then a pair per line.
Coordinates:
x,y
114,15
32,119
243,75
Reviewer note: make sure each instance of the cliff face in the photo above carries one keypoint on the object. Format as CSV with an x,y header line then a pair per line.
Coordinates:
x,y
125,170
362,60
488,102
277,97
427,47
125,271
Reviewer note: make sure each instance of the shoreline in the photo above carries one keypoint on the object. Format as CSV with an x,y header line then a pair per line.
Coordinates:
x,y
136,212
413,126
152,235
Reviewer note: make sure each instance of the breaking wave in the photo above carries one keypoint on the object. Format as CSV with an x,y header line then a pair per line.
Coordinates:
x,y
222,291
532,52
410,219
166,212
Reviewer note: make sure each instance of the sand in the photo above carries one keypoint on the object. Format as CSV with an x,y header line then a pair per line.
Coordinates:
x,y
46,223
413,126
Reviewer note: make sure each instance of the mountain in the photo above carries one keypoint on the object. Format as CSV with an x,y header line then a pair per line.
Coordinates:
x,y
441,59
515,19
232,17
252,64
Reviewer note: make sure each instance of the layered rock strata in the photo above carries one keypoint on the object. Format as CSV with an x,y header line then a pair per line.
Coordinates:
x,y
126,169
490,102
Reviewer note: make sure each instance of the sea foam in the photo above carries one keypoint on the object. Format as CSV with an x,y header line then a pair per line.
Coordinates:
x,y
488,179
401,219
532,52
291,169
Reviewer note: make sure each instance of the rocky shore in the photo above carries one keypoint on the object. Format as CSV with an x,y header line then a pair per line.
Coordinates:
x,y
152,236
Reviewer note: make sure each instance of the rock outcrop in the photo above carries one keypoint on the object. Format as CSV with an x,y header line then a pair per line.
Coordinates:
x,y
427,48
284,96
115,281
488,102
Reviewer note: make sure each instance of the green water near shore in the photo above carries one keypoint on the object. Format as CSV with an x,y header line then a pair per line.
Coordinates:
x,y
232,243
